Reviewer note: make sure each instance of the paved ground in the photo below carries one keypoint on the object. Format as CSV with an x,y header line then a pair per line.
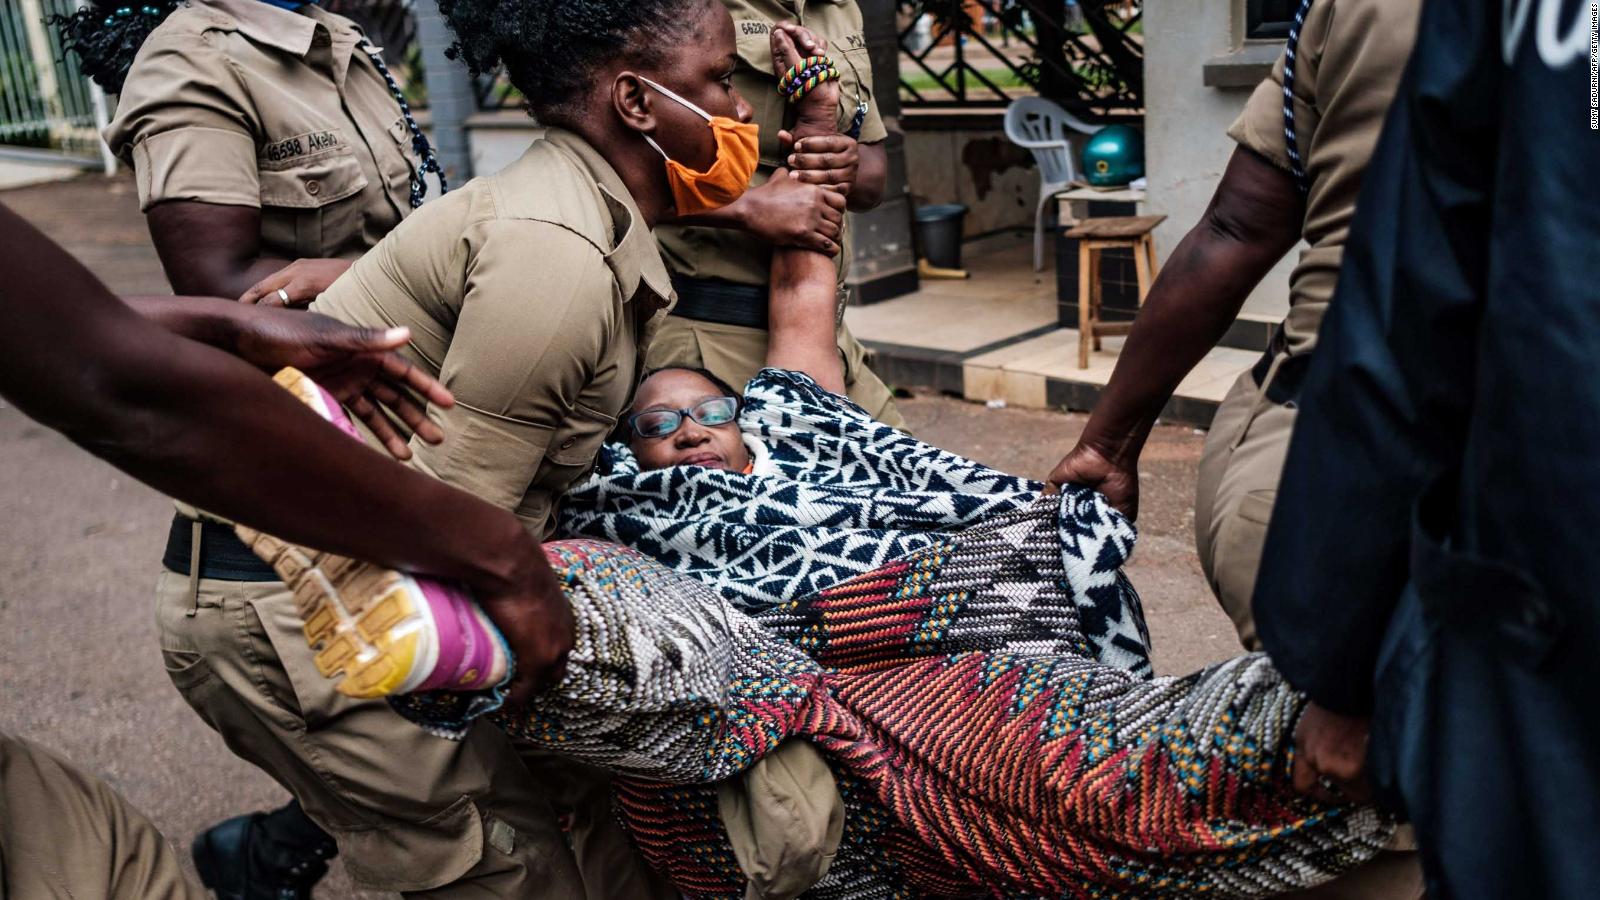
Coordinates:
x,y
79,542
21,170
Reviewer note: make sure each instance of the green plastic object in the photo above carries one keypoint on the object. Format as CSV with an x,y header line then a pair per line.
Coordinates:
x,y
1113,156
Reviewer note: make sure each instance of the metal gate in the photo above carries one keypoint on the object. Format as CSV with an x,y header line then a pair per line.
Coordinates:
x,y
1087,55
45,102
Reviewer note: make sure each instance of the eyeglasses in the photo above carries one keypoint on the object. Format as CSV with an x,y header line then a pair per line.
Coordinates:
x,y
658,423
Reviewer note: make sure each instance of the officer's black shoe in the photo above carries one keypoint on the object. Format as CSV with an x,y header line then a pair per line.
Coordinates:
x,y
279,855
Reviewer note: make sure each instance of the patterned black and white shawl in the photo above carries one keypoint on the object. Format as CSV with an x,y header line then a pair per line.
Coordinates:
x,y
835,494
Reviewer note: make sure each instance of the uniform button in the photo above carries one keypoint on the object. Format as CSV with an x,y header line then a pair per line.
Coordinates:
x,y
567,444
313,187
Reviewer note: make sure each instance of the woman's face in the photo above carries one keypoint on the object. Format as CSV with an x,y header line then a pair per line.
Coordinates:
x,y
702,72
693,444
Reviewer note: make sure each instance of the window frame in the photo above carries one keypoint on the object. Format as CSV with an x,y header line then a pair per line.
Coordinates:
x,y
1256,27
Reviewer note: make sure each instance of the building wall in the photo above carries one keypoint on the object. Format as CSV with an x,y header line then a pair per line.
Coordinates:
x,y
496,139
1186,121
972,163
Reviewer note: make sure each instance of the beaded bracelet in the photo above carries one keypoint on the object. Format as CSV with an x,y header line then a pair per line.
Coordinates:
x,y
807,63
805,87
801,92
800,80
790,84
806,80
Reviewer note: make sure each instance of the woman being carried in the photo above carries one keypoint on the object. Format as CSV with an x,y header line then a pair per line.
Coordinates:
x,y
980,743
793,488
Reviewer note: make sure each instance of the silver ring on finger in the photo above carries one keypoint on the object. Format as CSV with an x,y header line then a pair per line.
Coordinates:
x,y
284,296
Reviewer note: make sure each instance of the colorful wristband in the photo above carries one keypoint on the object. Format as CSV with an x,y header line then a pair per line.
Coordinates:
x,y
807,63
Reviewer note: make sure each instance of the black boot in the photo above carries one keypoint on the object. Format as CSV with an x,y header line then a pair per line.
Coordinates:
x,y
278,855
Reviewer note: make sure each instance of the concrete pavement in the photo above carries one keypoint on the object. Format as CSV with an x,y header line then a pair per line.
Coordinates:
x,y
79,547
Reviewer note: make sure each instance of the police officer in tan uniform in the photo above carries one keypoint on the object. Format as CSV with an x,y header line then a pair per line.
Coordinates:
x,y
261,135
112,375
721,263
1347,61
271,149
532,293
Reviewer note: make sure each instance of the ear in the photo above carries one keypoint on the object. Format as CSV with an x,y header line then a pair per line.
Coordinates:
x,y
633,102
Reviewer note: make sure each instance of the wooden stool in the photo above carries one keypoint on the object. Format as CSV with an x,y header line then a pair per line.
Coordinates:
x,y
1095,236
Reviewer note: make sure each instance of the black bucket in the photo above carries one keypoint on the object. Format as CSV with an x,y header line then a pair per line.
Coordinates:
x,y
939,234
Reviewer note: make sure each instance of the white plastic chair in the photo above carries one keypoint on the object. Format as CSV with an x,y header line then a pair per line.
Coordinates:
x,y
1042,126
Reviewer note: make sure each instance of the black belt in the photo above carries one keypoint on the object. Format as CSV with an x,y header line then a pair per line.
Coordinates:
x,y
719,301
222,555
1285,386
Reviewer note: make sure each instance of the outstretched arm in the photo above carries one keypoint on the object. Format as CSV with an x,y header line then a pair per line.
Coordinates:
x,y
203,426
802,299
1253,220
355,365
802,324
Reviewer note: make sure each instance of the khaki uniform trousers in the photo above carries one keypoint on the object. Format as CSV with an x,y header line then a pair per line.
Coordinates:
x,y
736,353
411,812
65,834
1234,493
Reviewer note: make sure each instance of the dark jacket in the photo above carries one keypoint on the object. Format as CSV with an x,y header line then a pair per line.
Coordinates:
x,y
1434,554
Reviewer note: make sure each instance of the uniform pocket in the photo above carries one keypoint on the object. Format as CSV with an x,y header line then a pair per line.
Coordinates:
x,y
416,856
312,182
400,170
753,42
286,671
188,670
757,83
855,80
312,203
1236,561
1257,507
577,441
573,453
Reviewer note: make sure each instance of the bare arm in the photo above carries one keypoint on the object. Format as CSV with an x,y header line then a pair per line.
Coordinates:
x,y
354,364
872,178
198,424
214,250
802,321
1253,220
208,249
802,298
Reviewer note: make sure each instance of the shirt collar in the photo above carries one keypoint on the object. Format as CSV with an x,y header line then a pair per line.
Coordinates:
x,y
292,31
634,257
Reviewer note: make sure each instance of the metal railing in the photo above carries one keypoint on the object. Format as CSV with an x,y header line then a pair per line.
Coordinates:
x,y
1087,55
45,102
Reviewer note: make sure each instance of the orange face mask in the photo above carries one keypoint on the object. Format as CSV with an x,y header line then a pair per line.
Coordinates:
x,y
738,150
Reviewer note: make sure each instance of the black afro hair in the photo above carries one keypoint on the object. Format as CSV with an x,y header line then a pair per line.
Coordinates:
x,y
106,36
552,48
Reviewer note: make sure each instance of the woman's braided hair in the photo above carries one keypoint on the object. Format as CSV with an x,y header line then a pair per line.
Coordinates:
x,y
552,48
106,36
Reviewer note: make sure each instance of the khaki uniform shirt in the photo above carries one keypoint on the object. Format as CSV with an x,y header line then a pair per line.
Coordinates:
x,y
1347,70
735,255
530,294
241,103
